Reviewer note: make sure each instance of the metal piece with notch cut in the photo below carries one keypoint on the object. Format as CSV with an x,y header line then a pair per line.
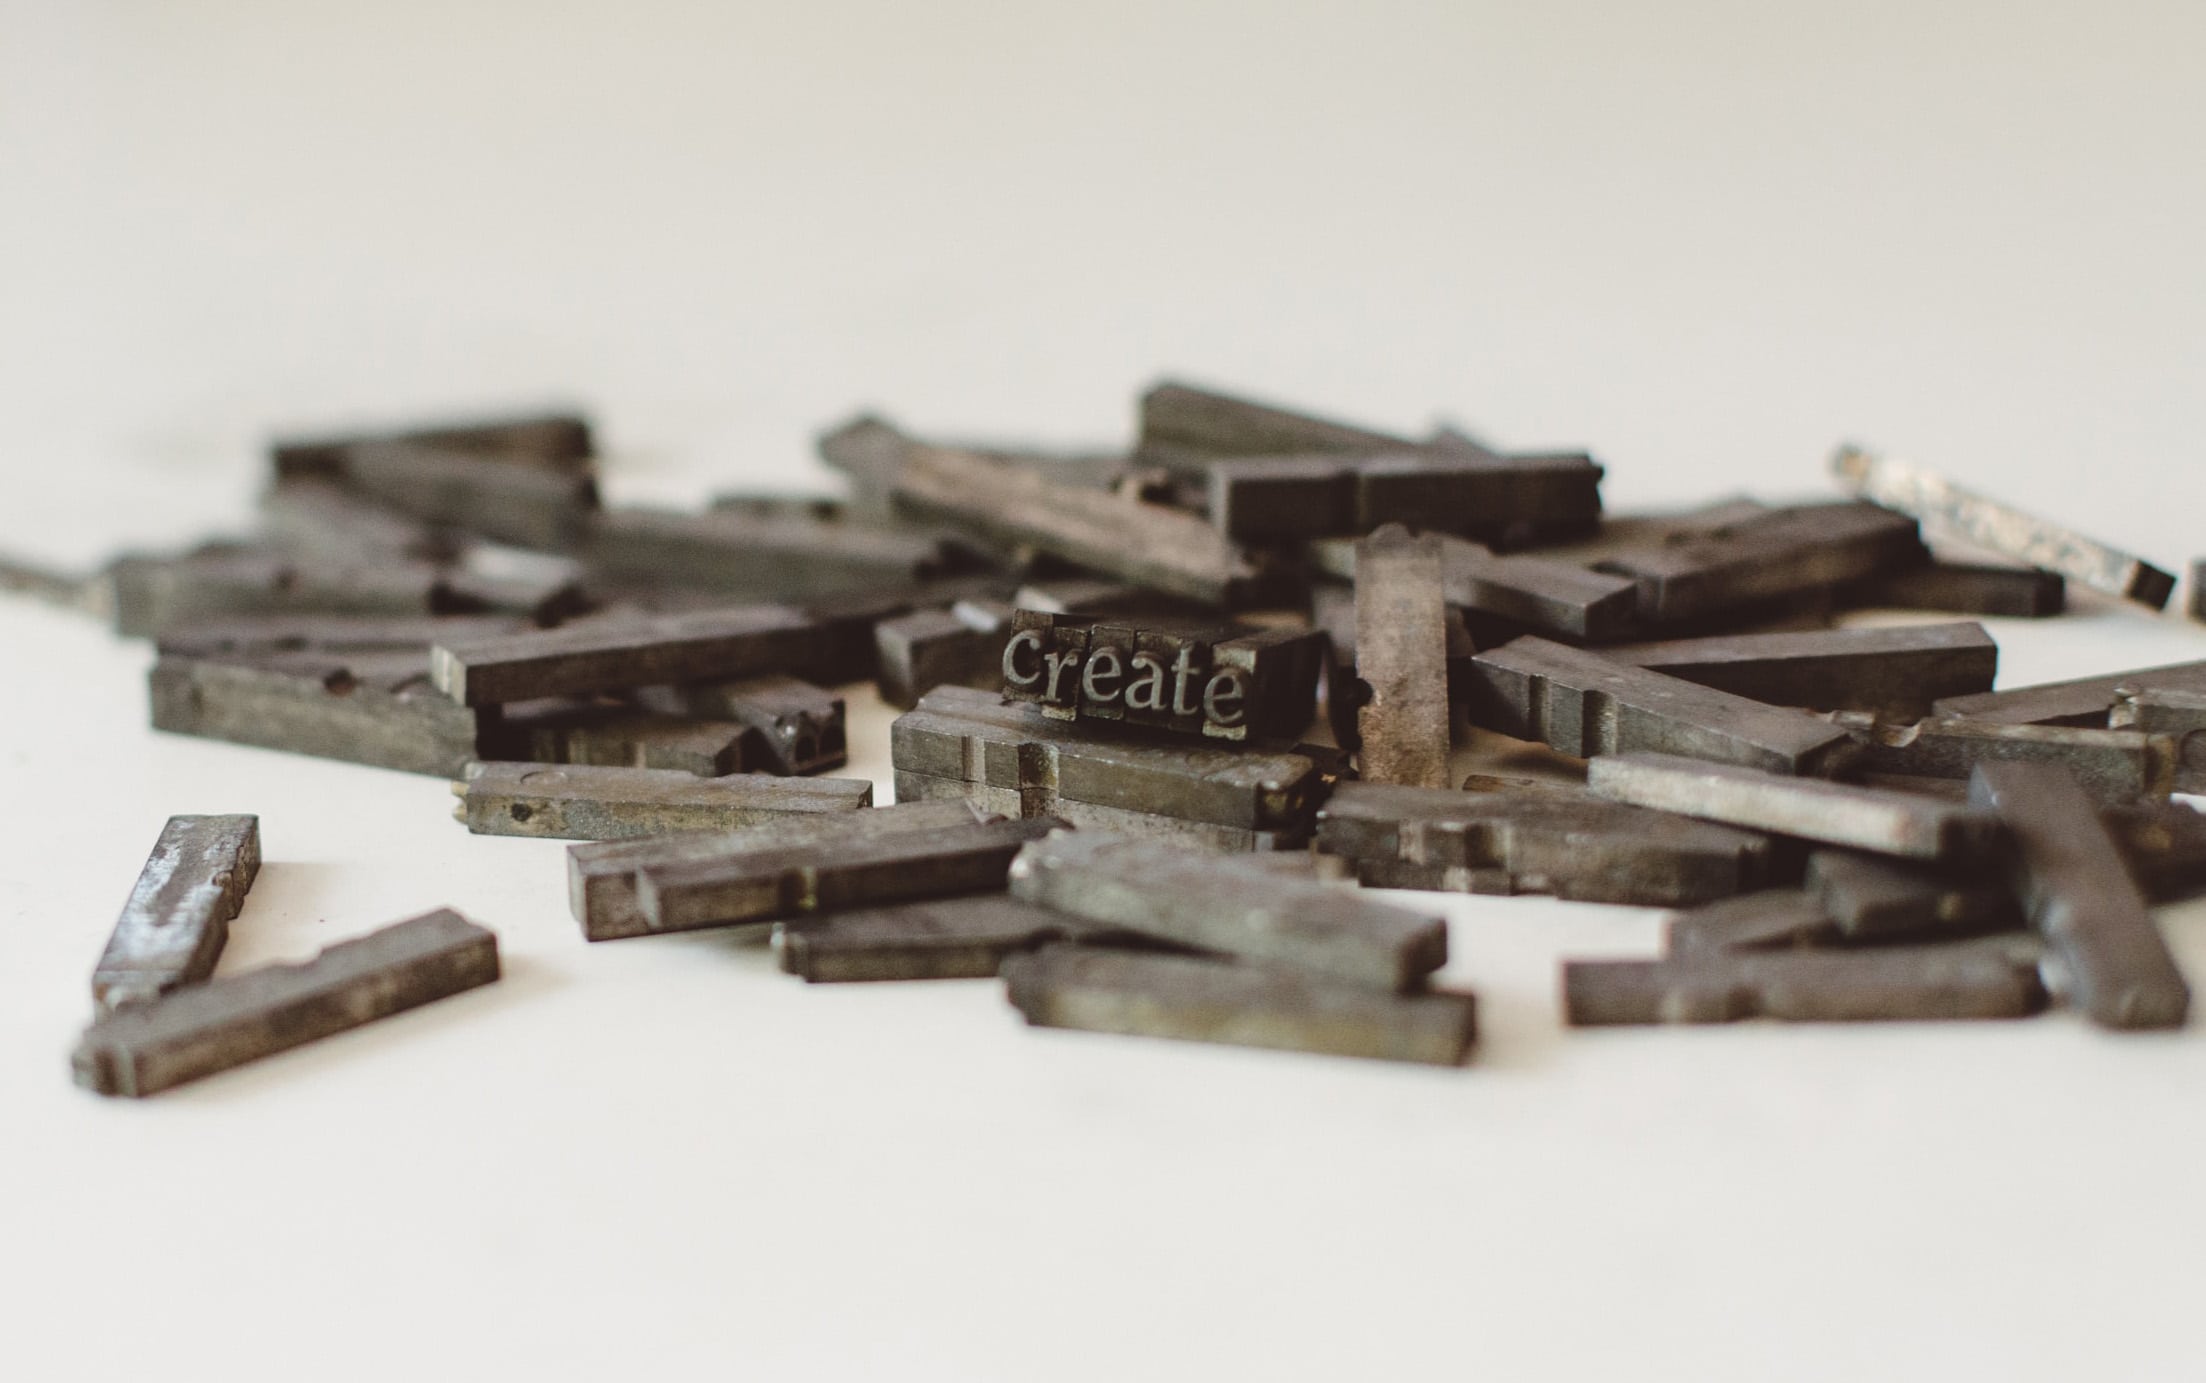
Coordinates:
x,y
1765,556
1871,896
2112,765
1962,980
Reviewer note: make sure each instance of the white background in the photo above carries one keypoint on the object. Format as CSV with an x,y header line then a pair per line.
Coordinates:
x,y
1707,241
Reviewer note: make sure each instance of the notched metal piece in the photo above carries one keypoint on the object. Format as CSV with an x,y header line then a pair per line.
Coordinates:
x,y
173,928
2112,765
1402,659
1962,588
1896,671
590,802
143,1049
799,726
1199,1000
1887,823
1891,983
961,646
375,708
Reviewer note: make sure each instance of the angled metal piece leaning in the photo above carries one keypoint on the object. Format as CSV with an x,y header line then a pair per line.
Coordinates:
x,y
1886,823
143,1049
2078,893
1948,508
1961,980
960,938
592,802
1401,657
1584,704
1216,904
173,928
1891,670
1200,1000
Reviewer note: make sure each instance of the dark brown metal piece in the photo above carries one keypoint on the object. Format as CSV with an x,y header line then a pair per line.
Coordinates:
x,y
1965,589
1773,919
761,556
173,928
1723,985
940,939
1871,896
556,440
1766,556
2085,701
1226,683
1896,671
2112,765
614,653
961,646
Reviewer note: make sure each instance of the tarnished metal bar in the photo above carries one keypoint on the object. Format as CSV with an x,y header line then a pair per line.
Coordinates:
x,y
2085,701
151,593
601,874
961,646
1269,498
1767,556
1893,983
616,735
2164,844
1584,704
1197,1000
961,735
1540,594
1216,903
366,708
143,1049
1973,518
177,921
1401,659
2079,895
762,556
560,441
2176,712
1886,823
942,939
1640,531
1088,816
249,636
1965,589
800,726
1179,421
1870,896
1773,919
535,506
590,802
1897,671
762,885
2112,765
1569,844
616,653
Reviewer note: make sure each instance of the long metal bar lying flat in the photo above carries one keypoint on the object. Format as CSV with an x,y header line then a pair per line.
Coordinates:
x,y
765,885
1584,704
372,708
142,1049
176,922
1947,508
1772,919
558,440
1218,904
937,939
1897,670
2084,701
1888,823
1201,1000
612,654
591,802
2078,893
1401,657
1964,588
1766,556
1903,983
764,556
2112,765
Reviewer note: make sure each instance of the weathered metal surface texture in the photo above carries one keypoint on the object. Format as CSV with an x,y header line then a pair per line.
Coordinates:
x,y
1089,816
1773,919
589,802
764,556
324,521
1704,571
614,653
143,1049
2198,589
2164,844
2079,895
1192,677
368,708
1571,845
963,735
177,920
866,870
2178,713
1401,658
1200,1000
1869,896
1895,983
243,637
615,735
1215,904
559,441
1895,671
1963,588
2112,765
1278,497
601,875
534,506
800,727
1540,594
2083,701
1946,508
940,939
1584,704
1180,423
150,594
961,646
1886,823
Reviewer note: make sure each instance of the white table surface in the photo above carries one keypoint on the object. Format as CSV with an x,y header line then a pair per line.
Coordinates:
x,y
1707,241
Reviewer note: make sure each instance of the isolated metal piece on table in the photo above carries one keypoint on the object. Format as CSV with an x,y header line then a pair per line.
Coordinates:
x,y
1887,823
1962,588
374,708
1584,704
2083,701
177,921
143,1049
1870,896
534,506
247,636
590,802
800,727
149,594
1894,670
1977,519
1401,658
1961,980
959,736
558,441
762,556
961,646
1193,999
610,654
1215,903
1772,919
601,874
1569,844
765,885
2078,893
940,939
1766,556
2112,765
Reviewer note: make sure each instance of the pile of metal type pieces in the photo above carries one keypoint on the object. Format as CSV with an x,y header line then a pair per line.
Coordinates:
x,y
1164,707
